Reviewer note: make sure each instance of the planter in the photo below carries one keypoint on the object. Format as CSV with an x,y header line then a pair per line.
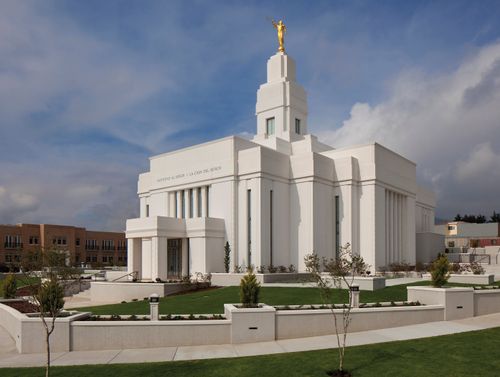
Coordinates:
x,y
467,278
458,303
251,325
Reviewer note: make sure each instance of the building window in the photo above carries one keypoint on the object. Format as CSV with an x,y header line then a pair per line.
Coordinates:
x,y
33,240
91,245
147,210
59,240
249,227
297,126
13,242
337,225
108,245
451,243
270,126
451,227
271,227
183,205
77,242
191,203
208,201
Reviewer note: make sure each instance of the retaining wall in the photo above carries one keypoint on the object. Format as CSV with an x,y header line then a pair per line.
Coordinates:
x,y
243,325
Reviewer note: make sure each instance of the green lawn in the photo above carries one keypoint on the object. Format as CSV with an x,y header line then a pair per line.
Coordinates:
x,y
459,355
212,301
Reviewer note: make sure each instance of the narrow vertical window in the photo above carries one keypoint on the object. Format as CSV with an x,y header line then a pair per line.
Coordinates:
x,y
297,126
175,206
271,227
183,204
191,203
147,210
270,126
249,227
337,225
208,201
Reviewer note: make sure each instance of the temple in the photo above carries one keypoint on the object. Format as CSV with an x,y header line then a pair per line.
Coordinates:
x,y
276,197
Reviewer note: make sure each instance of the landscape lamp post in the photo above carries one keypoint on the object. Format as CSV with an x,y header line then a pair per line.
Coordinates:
x,y
354,296
154,302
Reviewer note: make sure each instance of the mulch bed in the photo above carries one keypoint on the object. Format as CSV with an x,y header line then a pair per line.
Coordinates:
x,y
22,306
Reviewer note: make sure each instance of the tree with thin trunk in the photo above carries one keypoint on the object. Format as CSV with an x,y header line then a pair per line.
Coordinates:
x,y
332,275
46,273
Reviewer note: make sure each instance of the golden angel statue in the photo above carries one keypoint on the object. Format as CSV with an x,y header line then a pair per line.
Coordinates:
x,y
281,28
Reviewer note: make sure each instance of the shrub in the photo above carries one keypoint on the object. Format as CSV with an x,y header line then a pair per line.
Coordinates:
x,y
272,269
291,268
282,269
476,268
249,290
9,286
238,269
227,257
440,271
455,268
261,269
51,297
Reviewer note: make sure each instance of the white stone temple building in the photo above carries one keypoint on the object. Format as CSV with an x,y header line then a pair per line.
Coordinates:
x,y
275,198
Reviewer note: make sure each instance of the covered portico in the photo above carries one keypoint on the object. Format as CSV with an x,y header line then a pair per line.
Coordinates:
x,y
170,248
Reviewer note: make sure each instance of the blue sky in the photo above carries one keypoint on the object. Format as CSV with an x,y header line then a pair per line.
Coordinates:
x,y
90,89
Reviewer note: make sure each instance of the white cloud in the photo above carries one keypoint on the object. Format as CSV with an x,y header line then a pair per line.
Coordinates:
x,y
449,124
13,203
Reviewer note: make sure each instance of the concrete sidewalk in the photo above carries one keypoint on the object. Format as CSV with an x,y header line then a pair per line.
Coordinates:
x,y
10,358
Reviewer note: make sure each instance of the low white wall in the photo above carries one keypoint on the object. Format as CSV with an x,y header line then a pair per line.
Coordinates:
x,y
305,323
92,335
458,302
10,320
486,301
106,291
222,279
119,275
467,278
368,283
29,333
250,325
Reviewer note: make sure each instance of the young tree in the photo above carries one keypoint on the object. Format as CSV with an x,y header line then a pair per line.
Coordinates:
x,y
339,273
249,290
440,271
49,266
458,217
9,286
227,256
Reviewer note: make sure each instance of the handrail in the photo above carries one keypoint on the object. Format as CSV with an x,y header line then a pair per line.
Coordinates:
x,y
480,258
134,275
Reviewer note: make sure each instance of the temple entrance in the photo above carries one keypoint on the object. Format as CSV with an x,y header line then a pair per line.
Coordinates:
x,y
174,259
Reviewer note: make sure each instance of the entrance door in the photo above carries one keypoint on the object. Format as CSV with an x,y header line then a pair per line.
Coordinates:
x,y
174,260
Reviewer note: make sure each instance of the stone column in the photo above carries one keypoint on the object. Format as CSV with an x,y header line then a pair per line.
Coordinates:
x,y
171,207
195,202
134,256
204,201
179,204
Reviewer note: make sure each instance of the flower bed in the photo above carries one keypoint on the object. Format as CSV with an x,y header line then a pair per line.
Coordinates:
x,y
341,306
168,317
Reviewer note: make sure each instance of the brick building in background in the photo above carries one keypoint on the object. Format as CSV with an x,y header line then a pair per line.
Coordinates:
x,y
84,246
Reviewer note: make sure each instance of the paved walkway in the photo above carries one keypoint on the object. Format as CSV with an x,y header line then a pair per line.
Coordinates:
x,y
10,358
